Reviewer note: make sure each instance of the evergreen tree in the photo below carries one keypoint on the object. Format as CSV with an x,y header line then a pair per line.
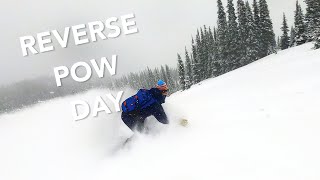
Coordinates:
x,y
144,80
292,37
163,74
232,60
157,75
211,53
252,43
267,34
207,45
215,34
317,30
195,65
201,54
299,26
181,71
222,38
188,69
214,55
243,33
278,43
312,18
256,18
317,44
151,78
170,81
285,37
317,33
313,21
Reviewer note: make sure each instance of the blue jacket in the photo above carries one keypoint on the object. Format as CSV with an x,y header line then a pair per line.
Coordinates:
x,y
154,108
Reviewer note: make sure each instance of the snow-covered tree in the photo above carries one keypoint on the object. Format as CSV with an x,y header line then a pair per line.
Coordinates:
x,y
195,65
222,38
215,37
299,26
188,69
292,37
256,18
151,80
232,50
243,35
163,74
156,73
182,79
252,43
238,40
313,21
267,33
278,47
285,34
170,81
212,50
202,47
208,48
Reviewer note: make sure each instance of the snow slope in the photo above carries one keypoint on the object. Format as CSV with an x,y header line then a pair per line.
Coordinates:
x,y
257,122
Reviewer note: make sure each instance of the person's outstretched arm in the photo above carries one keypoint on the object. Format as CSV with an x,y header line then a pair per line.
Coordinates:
x,y
160,115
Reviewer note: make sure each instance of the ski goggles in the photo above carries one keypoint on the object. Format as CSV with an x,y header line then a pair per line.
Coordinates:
x,y
163,87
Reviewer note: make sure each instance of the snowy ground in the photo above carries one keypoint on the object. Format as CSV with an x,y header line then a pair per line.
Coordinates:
x,y
259,122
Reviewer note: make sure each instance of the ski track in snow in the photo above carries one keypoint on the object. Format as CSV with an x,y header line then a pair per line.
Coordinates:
x,y
258,122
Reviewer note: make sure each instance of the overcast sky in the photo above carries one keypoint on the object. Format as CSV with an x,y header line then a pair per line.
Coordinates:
x,y
165,27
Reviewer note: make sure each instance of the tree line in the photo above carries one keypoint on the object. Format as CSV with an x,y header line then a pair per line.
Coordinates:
x,y
306,26
29,92
244,35
148,78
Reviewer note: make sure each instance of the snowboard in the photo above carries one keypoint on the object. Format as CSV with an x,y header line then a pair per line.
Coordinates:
x,y
182,122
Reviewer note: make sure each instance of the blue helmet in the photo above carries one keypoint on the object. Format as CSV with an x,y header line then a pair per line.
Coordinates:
x,y
162,86
161,83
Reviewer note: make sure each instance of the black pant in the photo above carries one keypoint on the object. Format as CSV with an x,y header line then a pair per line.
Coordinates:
x,y
136,118
133,120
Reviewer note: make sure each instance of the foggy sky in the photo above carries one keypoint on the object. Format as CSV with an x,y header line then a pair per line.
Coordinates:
x,y
165,28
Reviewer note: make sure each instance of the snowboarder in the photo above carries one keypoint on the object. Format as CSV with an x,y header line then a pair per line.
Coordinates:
x,y
145,103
